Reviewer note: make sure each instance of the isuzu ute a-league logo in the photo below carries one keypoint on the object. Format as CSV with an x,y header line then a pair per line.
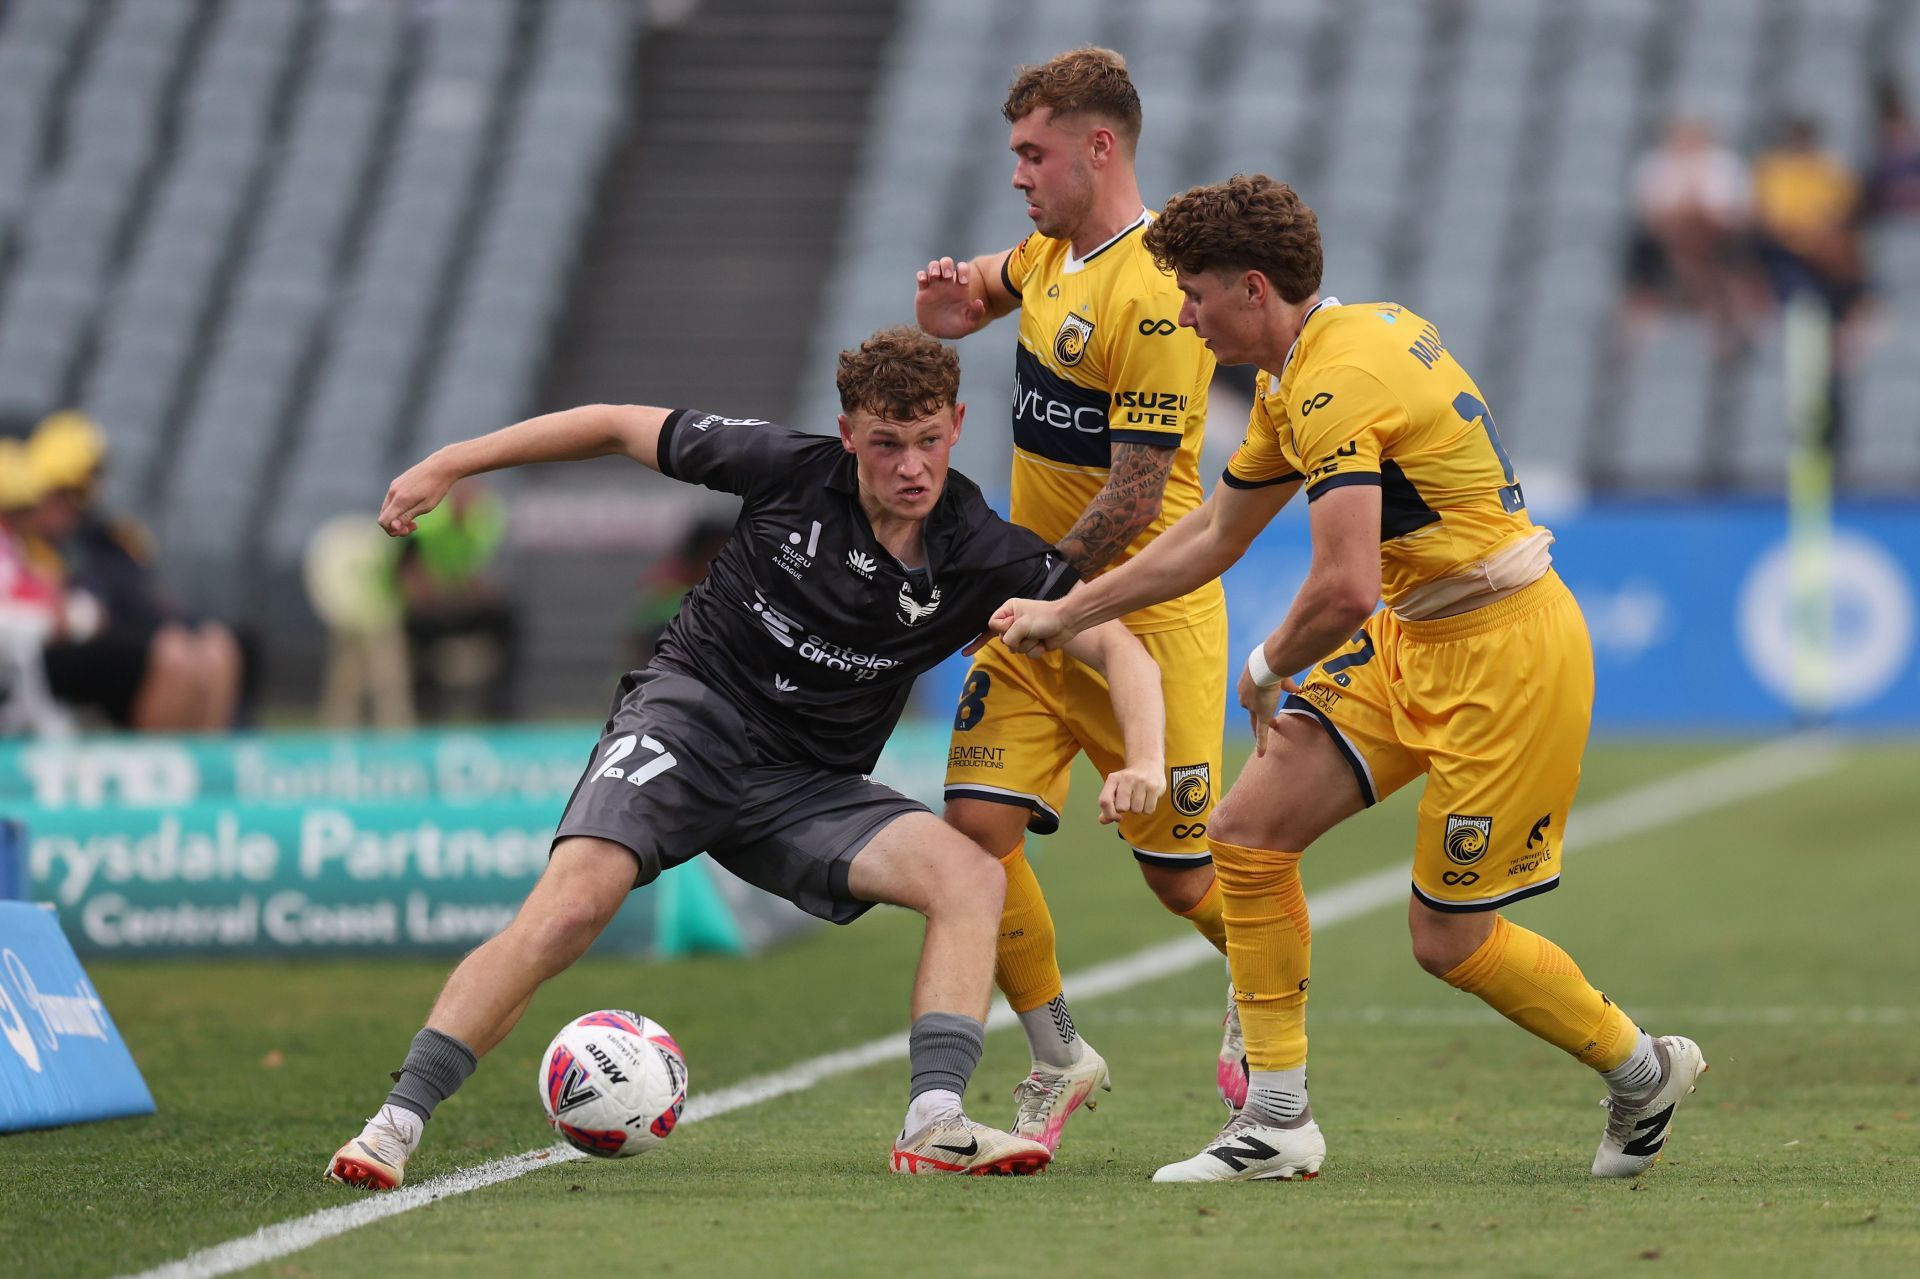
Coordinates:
x,y
790,559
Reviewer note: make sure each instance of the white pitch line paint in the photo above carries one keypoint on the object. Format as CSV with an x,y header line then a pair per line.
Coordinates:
x,y
1726,781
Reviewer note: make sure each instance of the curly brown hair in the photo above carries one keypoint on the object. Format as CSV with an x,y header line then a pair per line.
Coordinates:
x,y
1242,224
899,374
1090,81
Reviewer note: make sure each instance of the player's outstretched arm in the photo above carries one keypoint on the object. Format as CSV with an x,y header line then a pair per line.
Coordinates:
x,y
1133,682
592,430
1201,545
952,299
1341,590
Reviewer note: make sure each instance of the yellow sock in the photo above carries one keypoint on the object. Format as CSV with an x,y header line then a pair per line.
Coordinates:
x,y
1025,967
1207,918
1269,949
1537,986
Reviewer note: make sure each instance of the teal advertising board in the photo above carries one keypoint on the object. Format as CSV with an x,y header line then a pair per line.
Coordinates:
x,y
326,843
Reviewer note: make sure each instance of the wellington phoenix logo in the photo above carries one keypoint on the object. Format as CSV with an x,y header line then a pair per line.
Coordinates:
x,y
912,611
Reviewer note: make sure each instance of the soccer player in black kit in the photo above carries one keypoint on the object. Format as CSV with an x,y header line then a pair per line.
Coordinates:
x,y
858,562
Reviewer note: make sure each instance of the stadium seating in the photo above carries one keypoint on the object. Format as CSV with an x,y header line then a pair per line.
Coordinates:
x,y
272,245
1471,160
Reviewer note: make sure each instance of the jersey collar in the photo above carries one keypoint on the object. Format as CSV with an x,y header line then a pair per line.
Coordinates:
x,y
1273,379
1073,264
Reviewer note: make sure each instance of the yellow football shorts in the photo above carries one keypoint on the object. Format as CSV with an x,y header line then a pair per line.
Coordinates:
x,y
1493,705
1021,720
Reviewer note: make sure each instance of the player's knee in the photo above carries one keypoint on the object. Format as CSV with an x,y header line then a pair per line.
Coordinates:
x,y
1442,944
1179,889
967,883
1434,954
1237,820
559,930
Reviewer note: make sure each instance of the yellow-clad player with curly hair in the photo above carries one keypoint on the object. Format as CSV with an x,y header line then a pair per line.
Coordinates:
x,y
1478,673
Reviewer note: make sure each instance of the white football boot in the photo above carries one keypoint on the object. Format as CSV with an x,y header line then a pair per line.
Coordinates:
x,y
1230,1076
1637,1128
1249,1150
377,1158
957,1144
1044,1099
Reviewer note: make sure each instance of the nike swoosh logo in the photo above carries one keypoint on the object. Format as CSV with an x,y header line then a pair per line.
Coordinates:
x,y
971,1148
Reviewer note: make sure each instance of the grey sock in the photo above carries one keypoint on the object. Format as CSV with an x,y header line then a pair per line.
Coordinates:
x,y
435,1068
943,1049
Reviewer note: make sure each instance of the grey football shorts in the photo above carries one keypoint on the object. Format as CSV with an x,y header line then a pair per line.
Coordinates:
x,y
675,775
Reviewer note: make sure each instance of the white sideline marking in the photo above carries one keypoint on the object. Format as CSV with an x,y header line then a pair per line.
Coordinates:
x,y
1725,781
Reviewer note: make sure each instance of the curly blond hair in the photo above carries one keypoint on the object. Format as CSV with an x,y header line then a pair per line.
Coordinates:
x,y
899,374
1242,224
1087,81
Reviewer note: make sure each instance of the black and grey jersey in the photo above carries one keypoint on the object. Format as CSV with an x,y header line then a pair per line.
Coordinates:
x,y
805,622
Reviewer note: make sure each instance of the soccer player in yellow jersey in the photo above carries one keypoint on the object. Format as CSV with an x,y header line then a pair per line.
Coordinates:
x,y
1477,673
1108,418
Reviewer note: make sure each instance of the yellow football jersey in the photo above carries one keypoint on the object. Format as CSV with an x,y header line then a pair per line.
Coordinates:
x,y
1370,395
1101,361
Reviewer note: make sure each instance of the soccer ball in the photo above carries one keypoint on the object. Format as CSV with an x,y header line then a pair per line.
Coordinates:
x,y
613,1083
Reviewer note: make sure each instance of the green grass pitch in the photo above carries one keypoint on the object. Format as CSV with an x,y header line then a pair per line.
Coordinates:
x,y
1778,932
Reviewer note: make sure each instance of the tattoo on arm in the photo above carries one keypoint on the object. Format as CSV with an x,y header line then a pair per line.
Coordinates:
x,y
1130,502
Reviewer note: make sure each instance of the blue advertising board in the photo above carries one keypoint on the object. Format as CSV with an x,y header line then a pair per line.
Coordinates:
x,y
1691,608
62,1060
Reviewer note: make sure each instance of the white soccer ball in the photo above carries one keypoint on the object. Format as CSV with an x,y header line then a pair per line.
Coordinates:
x,y
613,1083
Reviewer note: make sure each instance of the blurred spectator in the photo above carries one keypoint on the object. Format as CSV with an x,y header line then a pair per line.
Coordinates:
x,y
1804,205
147,666
348,571
1893,182
1693,203
463,632
32,610
667,582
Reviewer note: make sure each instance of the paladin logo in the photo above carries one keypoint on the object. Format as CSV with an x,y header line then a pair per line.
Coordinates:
x,y
861,563
1467,838
912,611
778,624
1070,343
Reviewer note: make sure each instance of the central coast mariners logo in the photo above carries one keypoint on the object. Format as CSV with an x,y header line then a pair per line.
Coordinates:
x,y
1070,343
1192,786
1467,838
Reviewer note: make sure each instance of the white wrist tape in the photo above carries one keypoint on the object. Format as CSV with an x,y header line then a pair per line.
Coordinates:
x,y
1257,666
